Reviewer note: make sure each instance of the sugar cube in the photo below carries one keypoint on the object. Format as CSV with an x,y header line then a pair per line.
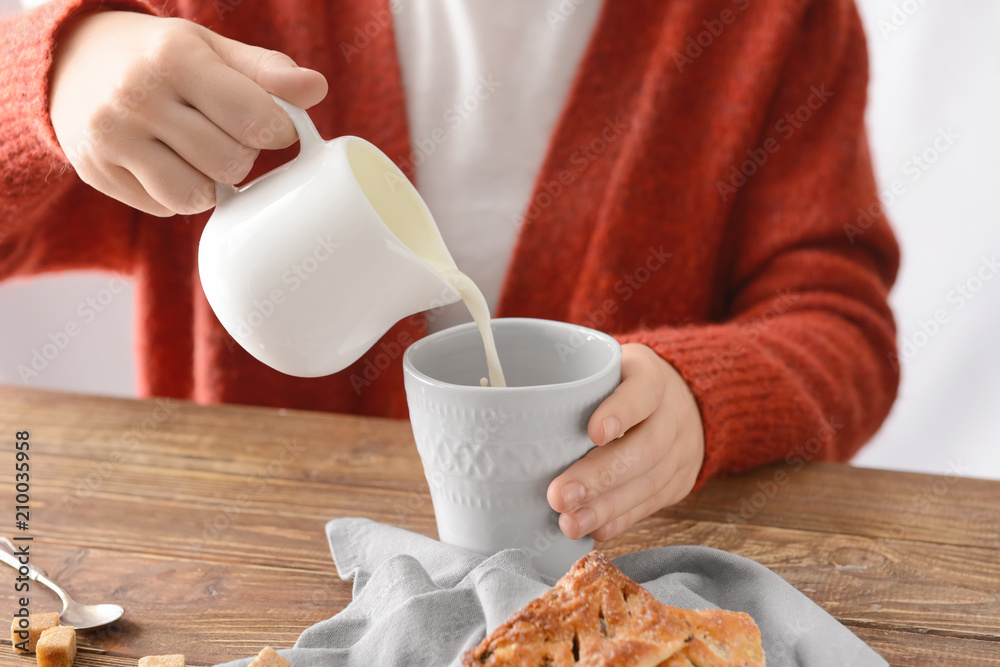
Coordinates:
x,y
56,647
30,628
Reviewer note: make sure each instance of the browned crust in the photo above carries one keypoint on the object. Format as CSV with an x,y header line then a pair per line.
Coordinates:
x,y
595,615
729,638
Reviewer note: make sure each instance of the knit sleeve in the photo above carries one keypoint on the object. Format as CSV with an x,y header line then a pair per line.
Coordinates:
x,y
803,366
49,219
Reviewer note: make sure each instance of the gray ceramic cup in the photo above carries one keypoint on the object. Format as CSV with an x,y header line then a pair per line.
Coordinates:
x,y
489,453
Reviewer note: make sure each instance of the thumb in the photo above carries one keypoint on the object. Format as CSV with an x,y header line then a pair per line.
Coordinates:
x,y
272,70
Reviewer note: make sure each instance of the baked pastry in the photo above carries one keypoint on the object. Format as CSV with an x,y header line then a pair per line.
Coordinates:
x,y
595,615
268,657
719,637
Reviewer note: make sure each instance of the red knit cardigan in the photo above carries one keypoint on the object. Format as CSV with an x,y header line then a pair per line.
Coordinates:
x,y
708,191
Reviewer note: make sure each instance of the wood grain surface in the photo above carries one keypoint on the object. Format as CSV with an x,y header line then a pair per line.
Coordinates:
x,y
207,525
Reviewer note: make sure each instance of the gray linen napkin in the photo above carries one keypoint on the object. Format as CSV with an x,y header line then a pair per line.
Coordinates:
x,y
418,602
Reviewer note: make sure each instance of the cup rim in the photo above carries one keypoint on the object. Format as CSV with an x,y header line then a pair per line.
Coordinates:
x,y
615,361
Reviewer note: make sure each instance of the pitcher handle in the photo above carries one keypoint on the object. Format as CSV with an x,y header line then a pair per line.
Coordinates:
x,y
309,141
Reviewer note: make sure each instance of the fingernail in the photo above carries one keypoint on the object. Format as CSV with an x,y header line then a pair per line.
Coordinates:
x,y
612,429
585,520
573,494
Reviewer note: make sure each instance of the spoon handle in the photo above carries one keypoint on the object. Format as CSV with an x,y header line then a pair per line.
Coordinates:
x,y
8,554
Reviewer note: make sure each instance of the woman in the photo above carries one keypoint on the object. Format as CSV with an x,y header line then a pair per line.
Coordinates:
x,y
696,172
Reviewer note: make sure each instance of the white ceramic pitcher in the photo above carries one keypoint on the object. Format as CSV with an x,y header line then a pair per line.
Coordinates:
x,y
310,264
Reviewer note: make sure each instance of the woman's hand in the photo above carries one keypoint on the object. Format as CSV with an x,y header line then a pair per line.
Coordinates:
x,y
650,450
151,111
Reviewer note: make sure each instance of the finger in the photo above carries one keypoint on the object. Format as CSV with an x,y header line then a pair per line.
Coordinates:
x,y
117,183
300,86
606,468
607,508
273,71
202,144
237,105
640,392
168,179
671,493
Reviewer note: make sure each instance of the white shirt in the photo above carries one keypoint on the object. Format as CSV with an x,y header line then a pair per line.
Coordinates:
x,y
485,84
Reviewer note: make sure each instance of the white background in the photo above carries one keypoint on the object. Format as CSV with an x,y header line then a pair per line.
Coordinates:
x,y
935,68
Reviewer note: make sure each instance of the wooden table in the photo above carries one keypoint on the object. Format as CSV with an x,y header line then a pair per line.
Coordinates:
x,y
206,525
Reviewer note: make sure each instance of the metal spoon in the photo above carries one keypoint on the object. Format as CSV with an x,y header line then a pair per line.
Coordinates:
x,y
80,616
